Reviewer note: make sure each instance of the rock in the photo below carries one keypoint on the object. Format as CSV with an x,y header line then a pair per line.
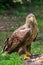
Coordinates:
x,y
34,60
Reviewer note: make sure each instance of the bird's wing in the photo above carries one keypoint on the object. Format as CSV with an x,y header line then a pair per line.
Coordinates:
x,y
20,36
23,33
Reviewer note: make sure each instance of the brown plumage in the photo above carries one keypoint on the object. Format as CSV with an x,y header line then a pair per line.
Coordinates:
x,y
21,39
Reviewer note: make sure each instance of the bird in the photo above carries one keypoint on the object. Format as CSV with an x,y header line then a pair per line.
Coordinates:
x,y
21,39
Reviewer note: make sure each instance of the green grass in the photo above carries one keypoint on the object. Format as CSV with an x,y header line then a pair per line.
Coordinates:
x,y
3,36
40,25
37,47
12,59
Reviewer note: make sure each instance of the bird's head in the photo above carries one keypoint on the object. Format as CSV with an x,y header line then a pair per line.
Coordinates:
x,y
31,18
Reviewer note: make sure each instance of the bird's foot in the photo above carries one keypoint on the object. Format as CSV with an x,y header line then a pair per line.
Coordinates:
x,y
27,56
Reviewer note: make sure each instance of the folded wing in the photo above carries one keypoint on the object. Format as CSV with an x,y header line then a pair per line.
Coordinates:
x,y
19,36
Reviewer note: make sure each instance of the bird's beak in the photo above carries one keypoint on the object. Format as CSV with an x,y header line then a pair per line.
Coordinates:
x,y
32,19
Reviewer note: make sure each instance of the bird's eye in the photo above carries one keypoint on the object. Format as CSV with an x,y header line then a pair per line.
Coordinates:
x,y
28,17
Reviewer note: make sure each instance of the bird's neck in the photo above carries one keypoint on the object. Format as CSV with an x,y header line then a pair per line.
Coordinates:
x,y
27,25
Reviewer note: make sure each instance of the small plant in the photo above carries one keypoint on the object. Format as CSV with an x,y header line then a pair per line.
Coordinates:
x,y
12,59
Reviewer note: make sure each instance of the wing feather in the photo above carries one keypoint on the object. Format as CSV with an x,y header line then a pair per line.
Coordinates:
x,y
19,36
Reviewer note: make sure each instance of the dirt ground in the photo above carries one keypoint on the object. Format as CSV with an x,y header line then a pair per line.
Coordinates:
x,y
8,21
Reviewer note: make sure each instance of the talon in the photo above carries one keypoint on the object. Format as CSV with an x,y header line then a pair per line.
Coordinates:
x,y
27,56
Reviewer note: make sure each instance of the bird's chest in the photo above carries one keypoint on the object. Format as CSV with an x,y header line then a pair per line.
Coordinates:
x,y
33,35
21,34
35,31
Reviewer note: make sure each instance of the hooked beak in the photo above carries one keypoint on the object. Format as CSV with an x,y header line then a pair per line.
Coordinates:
x,y
32,19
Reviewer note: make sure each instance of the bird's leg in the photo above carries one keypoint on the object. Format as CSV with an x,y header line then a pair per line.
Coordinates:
x,y
26,54
29,48
24,51
21,51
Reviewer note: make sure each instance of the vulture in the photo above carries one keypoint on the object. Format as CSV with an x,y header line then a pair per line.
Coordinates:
x,y
21,39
